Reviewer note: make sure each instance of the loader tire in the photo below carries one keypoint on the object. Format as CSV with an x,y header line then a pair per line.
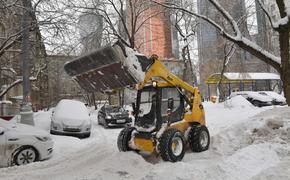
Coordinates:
x,y
172,145
124,138
199,138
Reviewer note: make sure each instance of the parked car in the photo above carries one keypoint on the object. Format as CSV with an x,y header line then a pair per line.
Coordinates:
x,y
113,115
277,99
22,144
255,98
72,118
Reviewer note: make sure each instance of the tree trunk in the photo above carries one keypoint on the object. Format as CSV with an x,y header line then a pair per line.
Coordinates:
x,y
219,85
187,72
285,63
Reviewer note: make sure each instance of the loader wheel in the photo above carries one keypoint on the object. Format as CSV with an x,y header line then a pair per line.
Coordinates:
x,y
172,146
198,138
124,138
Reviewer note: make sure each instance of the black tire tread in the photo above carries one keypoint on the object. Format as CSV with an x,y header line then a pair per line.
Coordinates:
x,y
123,139
164,146
193,138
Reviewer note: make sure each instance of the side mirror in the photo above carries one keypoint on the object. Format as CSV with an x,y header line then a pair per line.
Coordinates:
x,y
170,103
2,130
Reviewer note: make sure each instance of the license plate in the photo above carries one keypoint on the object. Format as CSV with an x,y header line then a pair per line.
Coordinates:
x,y
121,120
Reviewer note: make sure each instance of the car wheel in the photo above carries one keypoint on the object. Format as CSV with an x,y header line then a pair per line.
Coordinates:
x,y
124,138
172,146
198,138
25,155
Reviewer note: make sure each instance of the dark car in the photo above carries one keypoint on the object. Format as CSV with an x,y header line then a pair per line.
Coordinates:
x,y
113,115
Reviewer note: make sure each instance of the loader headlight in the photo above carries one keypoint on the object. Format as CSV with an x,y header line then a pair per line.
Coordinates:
x,y
108,117
154,83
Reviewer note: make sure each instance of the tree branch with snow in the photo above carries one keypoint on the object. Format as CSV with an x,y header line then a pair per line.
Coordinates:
x,y
282,26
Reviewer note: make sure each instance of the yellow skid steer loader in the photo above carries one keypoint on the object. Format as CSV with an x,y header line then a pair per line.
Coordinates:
x,y
168,111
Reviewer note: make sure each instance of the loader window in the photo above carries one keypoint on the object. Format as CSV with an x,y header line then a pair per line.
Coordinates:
x,y
177,110
147,109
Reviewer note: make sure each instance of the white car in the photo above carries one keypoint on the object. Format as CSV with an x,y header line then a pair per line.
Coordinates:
x,y
255,98
277,98
22,144
72,118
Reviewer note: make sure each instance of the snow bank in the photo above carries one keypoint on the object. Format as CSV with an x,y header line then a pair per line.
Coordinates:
x,y
242,147
269,126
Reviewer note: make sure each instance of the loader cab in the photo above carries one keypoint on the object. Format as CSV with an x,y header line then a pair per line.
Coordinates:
x,y
157,105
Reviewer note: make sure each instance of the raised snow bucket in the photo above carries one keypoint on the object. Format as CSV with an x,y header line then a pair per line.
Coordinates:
x,y
111,67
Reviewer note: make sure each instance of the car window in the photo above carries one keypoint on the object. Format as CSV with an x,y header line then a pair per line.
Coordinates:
x,y
113,109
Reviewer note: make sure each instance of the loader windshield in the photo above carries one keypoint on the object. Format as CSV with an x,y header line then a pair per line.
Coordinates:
x,y
146,115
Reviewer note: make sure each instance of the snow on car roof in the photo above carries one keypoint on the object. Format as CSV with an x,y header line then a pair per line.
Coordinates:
x,y
71,108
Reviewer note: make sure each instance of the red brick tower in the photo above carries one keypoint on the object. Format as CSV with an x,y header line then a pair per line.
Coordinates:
x,y
155,36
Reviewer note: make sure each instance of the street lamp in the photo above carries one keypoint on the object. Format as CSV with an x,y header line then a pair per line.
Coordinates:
x,y
26,109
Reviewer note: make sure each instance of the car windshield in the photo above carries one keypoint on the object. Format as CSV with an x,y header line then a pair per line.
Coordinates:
x,y
113,109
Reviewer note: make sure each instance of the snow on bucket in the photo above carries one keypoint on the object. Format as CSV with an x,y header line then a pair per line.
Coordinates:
x,y
111,67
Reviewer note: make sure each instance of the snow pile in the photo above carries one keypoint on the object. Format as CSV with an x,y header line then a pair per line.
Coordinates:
x,y
237,101
255,145
271,126
246,143
133,65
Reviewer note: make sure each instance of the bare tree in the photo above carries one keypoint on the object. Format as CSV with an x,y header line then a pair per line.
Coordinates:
x,y
282,27
47,17
229,50
186,27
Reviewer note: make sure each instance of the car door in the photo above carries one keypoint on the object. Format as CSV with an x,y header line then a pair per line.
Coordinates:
x,y
3,146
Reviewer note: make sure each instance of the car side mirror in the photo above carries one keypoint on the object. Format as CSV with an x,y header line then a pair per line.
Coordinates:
x,y
2,130
170,103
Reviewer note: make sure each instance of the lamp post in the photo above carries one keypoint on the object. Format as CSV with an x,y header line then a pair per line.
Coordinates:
x,y
26,109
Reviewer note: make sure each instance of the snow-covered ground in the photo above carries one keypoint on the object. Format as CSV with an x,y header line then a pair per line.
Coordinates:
x,y
246,143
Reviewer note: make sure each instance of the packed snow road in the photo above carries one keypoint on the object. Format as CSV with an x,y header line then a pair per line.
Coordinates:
x,y
246,143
